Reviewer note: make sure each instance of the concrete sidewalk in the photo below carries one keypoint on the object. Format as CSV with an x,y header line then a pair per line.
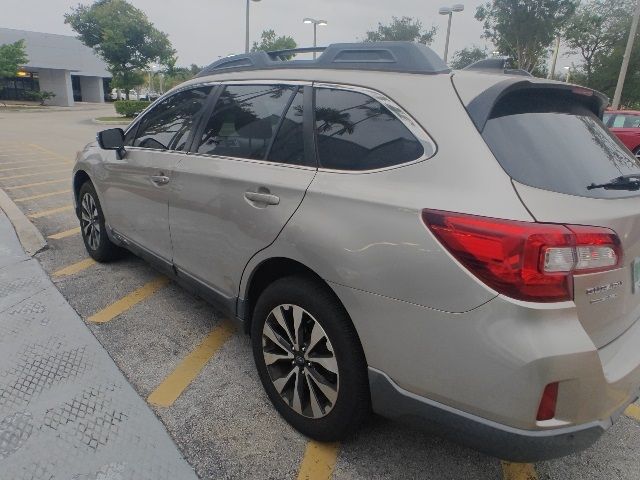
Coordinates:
x,y
66,411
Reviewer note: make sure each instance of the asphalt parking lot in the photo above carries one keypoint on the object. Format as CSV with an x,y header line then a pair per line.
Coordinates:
x,y
198,374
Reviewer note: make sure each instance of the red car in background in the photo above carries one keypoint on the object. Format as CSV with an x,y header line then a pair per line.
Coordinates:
x,y
625,124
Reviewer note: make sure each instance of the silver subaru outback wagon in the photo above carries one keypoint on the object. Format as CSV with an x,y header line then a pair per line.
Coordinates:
x,y
460,250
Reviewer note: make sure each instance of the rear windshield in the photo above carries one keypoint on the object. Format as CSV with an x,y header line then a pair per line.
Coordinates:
x,y
555,143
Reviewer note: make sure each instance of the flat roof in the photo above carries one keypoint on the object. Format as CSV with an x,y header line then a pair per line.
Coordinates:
x,y
62,52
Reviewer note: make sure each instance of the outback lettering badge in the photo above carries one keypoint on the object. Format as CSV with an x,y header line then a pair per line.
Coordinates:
x,y
603,288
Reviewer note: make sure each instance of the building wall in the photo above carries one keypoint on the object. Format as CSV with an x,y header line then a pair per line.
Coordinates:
x,y
58,82
92,89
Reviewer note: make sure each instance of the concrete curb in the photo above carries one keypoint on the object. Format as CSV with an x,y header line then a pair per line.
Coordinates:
x,y
111,122
30,237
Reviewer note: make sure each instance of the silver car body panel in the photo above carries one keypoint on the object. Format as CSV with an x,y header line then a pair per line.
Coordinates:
x,y
425,322
607,303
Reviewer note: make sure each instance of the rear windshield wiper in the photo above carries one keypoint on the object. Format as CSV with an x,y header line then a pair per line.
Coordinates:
x,y
625,182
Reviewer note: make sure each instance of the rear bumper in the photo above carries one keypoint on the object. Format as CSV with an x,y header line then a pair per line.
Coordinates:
x,y
492,438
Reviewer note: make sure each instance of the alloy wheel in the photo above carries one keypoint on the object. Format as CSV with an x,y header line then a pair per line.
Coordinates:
x,y
90,221
300,361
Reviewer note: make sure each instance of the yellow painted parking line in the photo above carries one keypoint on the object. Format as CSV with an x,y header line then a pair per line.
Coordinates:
x,y
125,303
50,152
633,411
37,184
177,382
41,195
22,162
75,268
518,471
65,234
24,175
319,461
53,211
27,167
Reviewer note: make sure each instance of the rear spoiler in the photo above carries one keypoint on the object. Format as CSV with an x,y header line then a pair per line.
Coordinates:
x,y
481,107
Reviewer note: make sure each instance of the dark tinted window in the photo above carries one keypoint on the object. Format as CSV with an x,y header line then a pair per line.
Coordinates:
x,y
355,132
288,146
559,145
245,120
169,124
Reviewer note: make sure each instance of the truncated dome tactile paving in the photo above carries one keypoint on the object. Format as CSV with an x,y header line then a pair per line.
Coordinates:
x,y
66,411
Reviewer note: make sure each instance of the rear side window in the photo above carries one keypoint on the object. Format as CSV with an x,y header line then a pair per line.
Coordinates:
x,y
553,142
169,124
244,121
356,132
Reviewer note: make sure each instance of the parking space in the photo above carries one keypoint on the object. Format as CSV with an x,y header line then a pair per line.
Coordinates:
x,y
198,374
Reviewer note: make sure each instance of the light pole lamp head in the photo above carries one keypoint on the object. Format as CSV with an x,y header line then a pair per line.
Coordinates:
x,y
314,21
445,11
458,7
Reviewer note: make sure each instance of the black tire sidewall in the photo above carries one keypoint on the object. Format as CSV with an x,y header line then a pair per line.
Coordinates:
x,y
106,250
353,403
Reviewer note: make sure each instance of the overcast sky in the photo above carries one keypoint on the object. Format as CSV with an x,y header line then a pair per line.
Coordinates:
x,y
202,30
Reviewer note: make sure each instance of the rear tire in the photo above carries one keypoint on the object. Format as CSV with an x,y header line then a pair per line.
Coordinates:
x,y
316,379
92,226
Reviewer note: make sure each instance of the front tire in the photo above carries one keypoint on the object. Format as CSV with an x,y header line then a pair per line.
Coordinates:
x,y
309,359
92,226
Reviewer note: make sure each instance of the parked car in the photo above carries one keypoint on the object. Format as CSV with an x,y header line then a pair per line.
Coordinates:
x,y
457,250
625,125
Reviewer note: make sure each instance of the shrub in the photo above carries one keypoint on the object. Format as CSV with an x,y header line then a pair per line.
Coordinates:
x,y
38,96
130,108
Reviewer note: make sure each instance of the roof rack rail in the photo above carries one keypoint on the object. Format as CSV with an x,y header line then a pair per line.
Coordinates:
x,y
403,57
496,65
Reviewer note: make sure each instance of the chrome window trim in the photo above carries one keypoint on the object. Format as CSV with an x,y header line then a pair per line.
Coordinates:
x,y
252,160
428,144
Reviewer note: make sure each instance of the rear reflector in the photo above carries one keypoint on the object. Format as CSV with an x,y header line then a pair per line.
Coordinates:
x,y
547,408
524,260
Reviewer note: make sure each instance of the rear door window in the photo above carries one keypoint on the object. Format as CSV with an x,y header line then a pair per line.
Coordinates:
x,y
169,124
244,121
557,144
356,132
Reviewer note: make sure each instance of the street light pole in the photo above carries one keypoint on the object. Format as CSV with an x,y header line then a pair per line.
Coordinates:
x,y
446,45
625,60
450,11
246,43
315,30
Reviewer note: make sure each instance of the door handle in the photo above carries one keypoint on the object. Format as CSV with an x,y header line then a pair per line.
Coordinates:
x,y
160,179
263,198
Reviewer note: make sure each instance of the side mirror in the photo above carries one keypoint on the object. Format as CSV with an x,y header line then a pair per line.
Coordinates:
x,y
112,139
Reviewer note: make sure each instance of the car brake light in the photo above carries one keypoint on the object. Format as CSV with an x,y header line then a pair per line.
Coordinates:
x,y
524,260
547,408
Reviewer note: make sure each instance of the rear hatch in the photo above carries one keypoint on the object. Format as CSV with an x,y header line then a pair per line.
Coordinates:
x,y
550,140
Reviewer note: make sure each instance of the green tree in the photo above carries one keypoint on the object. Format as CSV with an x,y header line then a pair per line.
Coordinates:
x,y
123,36
467,56
524,30
12,57
128,80
271,42
596,28
402,29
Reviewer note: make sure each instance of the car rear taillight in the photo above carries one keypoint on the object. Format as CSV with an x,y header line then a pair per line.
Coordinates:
x,y
523,260
547,407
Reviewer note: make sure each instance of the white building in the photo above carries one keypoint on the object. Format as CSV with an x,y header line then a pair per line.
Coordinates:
x,y
57,63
